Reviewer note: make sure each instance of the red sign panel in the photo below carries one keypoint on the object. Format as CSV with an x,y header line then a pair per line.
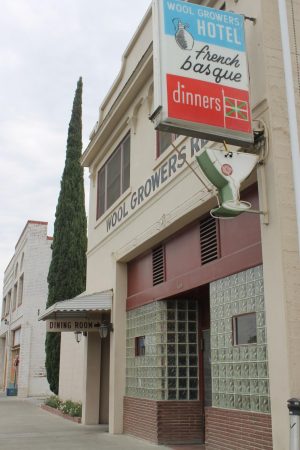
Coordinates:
x,y
208,103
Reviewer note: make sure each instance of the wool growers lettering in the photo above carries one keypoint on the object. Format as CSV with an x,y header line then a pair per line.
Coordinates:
x,y
154,182
208,14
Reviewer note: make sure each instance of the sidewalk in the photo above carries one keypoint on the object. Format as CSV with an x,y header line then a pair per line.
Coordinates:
x,y
24,425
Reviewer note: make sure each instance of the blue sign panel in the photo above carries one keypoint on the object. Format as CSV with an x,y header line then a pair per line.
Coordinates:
x,y
192,22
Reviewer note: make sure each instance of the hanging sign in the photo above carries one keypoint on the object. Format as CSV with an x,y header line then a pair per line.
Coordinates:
x,y
201,79
80,324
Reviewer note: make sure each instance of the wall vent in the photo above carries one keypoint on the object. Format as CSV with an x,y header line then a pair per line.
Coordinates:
x,y
209,244
158,265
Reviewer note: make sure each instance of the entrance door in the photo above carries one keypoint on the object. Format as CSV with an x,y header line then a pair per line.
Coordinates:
x,y
207,368
104,381
14,367
205,381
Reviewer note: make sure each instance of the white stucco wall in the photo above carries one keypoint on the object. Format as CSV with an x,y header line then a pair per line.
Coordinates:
x,y
32,258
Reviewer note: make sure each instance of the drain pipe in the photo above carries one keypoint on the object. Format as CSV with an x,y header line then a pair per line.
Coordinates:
x,y
292,115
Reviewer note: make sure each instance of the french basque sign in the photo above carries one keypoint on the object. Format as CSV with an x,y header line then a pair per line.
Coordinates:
x,y
200,72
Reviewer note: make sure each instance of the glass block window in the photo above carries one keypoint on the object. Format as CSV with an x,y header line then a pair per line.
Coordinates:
x,y
240,377
168,369
182,350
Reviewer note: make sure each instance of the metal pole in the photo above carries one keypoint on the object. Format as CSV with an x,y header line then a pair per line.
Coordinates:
x,y
292,114
294,411
294,433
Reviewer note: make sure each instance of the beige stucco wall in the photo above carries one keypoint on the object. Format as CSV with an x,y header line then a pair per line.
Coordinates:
x,y
71,368
183,198
279,239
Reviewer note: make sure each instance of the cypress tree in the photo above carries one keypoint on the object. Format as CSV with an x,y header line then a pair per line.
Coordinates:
x,y
67,271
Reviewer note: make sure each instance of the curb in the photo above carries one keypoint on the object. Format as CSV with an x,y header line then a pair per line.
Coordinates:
x,y
57,412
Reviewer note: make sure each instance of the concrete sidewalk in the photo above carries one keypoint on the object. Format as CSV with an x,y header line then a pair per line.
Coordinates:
x,y
24,425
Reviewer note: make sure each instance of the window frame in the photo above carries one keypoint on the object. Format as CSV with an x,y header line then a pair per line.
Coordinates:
x,y
100,210
3,313
174,136
15,296
8,303
20,290
235,329
140,349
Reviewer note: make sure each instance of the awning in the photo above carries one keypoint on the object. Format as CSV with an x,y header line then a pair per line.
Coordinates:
x,y
80,305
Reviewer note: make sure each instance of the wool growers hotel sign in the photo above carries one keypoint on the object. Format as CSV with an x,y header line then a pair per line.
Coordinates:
x,y
200,72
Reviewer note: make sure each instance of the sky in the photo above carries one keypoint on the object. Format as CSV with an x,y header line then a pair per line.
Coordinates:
x,y
45,46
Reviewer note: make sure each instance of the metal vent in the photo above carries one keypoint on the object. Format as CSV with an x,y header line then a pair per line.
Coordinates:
x,y
209,240
158,265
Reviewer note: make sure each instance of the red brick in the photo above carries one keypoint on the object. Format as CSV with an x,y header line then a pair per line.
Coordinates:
x,y
237,430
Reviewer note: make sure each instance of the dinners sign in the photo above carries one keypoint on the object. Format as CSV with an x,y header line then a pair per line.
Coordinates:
x,y
201,75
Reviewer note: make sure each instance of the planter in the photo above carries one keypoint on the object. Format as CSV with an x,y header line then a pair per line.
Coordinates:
x,y
57,412
11,392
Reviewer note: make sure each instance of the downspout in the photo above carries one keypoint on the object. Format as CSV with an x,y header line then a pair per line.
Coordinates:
x,y
292,114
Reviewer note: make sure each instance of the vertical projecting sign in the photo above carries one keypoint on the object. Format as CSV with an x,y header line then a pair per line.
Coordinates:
x,y
201,77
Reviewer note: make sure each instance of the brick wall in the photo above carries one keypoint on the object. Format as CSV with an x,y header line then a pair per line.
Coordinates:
x,y
237,430
163,422
180,422
140,418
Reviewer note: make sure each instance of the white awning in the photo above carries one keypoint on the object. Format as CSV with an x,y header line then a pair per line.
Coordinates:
x,y
80,305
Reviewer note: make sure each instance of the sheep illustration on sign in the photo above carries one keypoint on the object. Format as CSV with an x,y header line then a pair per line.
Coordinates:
x,y
183,38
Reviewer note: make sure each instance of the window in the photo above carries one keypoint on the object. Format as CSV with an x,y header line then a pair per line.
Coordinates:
x,y
17,337
8,300
3,308
163,141
14,304
20,291
140,346
113,177
22,262
244,329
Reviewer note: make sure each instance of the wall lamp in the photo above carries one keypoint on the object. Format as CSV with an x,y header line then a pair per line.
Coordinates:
x,y
104,329
78,336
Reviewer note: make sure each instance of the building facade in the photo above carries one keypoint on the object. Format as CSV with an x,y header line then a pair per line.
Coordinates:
x,y
205,312
22,337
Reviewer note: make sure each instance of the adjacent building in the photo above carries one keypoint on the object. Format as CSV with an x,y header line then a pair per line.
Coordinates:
x,y
22,336
205,338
